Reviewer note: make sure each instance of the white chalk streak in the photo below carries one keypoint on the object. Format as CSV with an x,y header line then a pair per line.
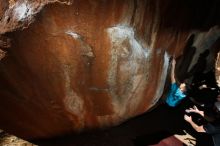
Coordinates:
x,y
73,34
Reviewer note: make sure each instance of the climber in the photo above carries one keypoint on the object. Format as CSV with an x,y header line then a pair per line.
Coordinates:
x,y
176,93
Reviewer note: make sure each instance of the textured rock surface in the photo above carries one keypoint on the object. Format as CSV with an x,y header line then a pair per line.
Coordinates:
x,y
89,64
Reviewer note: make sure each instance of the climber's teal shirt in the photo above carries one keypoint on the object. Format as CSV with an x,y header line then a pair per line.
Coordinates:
x,y
174,96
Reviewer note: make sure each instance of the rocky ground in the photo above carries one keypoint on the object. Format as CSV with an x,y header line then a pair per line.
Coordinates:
x,y
10,140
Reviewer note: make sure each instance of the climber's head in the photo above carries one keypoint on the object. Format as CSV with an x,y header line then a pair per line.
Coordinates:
x,y
183,87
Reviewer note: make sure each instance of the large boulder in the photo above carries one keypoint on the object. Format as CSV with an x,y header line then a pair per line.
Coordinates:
x,y
88,64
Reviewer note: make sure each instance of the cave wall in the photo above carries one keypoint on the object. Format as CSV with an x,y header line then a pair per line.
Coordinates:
x,y
83,64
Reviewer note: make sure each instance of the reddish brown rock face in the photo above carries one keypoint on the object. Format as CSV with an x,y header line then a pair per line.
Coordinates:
x,y
3,7
87,64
